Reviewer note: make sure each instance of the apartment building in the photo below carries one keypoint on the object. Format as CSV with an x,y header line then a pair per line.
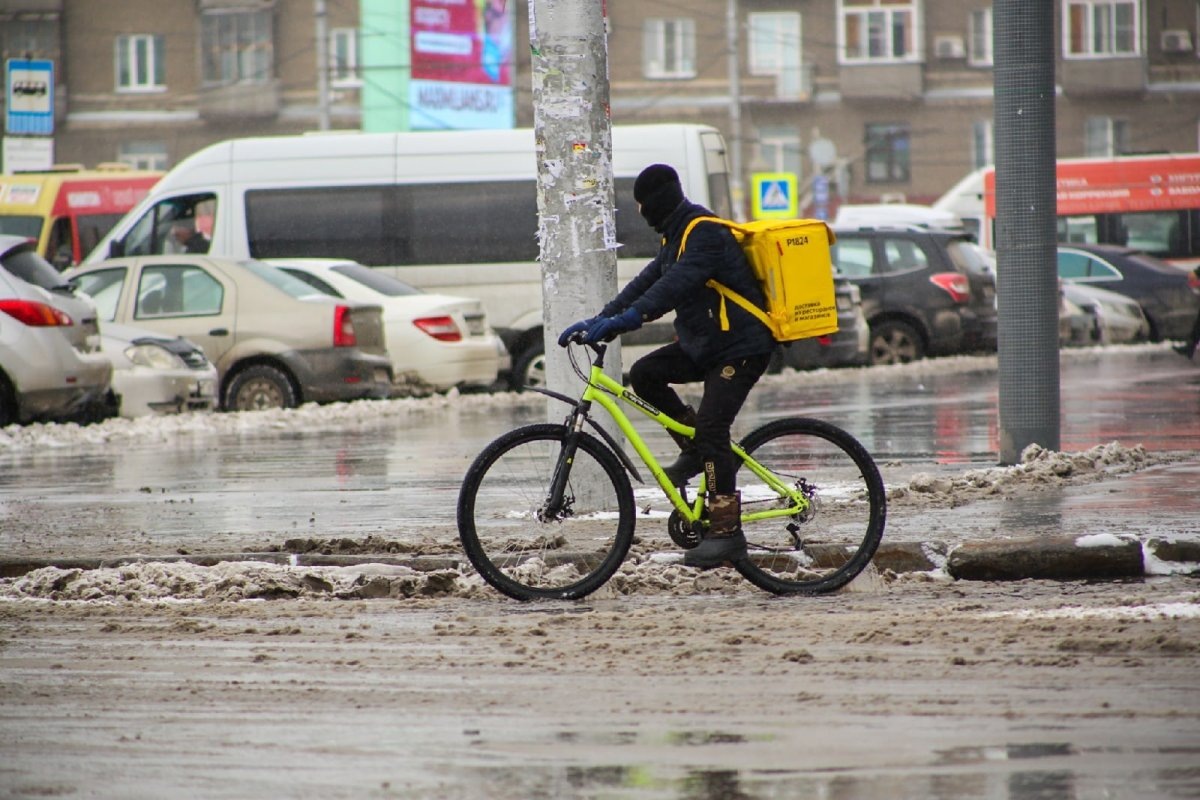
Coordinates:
x,y
888,99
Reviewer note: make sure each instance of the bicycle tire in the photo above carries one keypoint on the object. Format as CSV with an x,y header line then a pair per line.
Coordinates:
x,y
513,547
828,546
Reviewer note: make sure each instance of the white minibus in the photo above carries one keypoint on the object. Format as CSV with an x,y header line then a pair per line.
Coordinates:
x,y
452,212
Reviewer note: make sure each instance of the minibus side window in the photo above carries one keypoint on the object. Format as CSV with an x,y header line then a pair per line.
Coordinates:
x,y
351,222
469,223
637,239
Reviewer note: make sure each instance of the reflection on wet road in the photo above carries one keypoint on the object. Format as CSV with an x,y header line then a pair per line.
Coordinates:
x,y
394,478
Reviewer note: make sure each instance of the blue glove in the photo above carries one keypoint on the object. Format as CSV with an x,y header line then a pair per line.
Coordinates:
x,y
575,328
606,328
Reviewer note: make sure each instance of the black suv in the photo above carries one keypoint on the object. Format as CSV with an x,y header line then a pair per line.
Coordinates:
x,y
924,293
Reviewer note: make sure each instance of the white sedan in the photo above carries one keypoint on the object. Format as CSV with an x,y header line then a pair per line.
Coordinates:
x,y
434,340
155,374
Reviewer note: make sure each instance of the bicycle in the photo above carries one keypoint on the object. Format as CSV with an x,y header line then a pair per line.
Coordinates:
x,y
546,511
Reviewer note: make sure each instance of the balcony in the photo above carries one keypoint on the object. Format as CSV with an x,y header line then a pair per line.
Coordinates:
x,y
30,7
792,85
1095,77
889,81
259,100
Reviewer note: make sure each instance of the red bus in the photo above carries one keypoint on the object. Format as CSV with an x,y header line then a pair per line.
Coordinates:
x,y
1150,203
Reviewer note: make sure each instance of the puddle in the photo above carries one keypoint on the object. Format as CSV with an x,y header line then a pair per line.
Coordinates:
x,y
1018,771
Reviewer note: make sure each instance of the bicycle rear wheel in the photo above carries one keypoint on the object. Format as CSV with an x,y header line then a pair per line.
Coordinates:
x,y
525,551
825,547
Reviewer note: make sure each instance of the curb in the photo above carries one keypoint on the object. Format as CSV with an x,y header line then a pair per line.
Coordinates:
x,y
1085,557
1099,557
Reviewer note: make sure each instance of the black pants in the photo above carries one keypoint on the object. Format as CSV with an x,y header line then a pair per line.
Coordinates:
x,y
726,386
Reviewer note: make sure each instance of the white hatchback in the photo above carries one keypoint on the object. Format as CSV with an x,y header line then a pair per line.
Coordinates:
x,y
44,374
434,340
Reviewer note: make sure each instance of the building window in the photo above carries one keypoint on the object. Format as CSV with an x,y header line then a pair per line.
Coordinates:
x,y
237,47
343,58
1100,28
669,48
979,42
32,35
779,149
775,49
141,64
983,153
887,153
878,30
143,155
1105,136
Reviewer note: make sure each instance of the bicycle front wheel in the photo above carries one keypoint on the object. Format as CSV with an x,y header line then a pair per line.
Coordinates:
x,y
823,547
526,549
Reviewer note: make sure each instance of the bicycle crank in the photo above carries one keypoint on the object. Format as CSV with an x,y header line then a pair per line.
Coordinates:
x,y
682,533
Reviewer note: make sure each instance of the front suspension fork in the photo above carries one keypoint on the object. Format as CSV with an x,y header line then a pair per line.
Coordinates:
x,y
556,498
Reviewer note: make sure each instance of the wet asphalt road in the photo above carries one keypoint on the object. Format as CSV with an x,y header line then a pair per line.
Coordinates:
x,y
919,690
399,478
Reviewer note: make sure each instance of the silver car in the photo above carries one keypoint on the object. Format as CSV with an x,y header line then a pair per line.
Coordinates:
x,y
155,374
275,341
51,366
1099,316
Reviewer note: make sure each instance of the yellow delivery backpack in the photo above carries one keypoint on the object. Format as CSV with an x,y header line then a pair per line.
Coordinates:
x,y
791,259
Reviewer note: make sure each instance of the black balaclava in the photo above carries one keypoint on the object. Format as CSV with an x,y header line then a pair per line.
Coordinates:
x,y
658,192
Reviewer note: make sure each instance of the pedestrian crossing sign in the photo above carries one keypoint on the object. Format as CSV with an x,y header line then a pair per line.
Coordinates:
x,y
774,195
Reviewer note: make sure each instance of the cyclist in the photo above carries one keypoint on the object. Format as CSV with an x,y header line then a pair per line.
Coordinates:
x,y
729,362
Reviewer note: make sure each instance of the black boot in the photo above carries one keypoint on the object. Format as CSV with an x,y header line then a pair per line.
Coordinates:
x,y
689,464
723,541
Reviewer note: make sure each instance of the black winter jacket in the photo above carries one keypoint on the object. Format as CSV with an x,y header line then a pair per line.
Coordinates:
x,y
666,284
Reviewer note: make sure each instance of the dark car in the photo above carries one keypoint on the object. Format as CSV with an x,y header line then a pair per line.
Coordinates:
x,y
924,293
1162,289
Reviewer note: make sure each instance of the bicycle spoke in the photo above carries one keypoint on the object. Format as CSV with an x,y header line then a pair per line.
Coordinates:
x,y
528,550
822,547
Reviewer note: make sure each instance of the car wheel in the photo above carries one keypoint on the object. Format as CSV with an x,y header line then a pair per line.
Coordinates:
x,y
778,361
260,387
107,406
895,342
529,369
8,403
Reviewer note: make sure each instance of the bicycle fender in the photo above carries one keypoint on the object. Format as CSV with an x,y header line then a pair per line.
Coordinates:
x,y
626,461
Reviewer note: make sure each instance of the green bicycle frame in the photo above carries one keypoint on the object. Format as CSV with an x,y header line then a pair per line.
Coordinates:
x,y
605,391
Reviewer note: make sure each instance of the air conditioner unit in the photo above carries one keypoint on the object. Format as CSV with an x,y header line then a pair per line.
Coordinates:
x,y
1176,41
948,47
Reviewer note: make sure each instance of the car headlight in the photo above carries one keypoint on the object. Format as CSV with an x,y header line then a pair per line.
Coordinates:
x,y
153,356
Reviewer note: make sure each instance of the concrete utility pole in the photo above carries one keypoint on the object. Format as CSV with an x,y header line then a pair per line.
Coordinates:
x,y
573,140
1026,236
737,184
322,52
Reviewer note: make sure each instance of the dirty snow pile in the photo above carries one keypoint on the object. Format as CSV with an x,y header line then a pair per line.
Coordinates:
x,y
233,581
310,418
1039,468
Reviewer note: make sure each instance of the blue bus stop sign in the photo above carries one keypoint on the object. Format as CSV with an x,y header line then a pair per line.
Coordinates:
x,y
29,96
